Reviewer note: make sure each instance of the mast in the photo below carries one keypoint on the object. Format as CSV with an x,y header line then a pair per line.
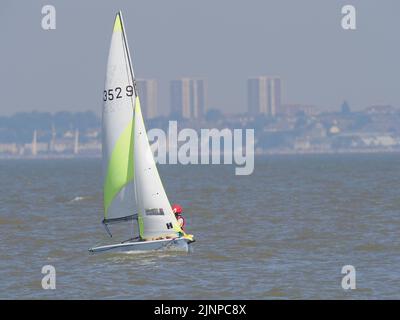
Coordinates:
x,y
128,52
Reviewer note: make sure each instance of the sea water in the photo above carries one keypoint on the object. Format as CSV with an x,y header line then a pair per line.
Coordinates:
x,y
284,232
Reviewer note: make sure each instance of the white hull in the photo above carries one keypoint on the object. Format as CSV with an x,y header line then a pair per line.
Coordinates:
x,y
180,244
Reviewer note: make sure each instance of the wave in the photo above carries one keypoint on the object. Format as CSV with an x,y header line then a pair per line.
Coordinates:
x,y
77,199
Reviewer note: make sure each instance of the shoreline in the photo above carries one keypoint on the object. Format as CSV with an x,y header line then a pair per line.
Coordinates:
x,y
262,153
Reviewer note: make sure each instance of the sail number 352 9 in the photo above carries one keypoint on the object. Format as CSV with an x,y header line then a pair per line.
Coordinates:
x,y
117,93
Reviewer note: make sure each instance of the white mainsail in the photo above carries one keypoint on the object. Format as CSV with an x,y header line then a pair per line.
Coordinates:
x,y
118,118
130,172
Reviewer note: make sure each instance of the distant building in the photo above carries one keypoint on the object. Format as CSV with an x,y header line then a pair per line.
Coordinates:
x,y
53,138
76,142
334,130
69,134
188,98
8,148
382,109
345,108
35,147
264,95
148,93
294,109
34,143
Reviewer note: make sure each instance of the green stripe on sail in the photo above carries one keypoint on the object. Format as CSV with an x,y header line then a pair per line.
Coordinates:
x,y
120,166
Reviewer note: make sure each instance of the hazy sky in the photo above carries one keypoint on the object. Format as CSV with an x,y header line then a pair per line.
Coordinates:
x,y
225,41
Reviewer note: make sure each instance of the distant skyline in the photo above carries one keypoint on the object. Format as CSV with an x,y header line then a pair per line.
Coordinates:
x,y
223,42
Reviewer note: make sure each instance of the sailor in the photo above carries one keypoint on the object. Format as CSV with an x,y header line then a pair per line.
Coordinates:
x,y
177,209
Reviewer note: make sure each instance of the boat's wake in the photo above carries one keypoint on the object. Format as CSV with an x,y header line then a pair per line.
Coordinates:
x,y
77,199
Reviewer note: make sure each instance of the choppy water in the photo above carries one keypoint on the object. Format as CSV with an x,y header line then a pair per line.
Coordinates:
x,y
283,232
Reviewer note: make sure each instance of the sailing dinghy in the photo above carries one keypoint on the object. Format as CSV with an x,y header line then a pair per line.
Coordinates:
x,y
132,189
